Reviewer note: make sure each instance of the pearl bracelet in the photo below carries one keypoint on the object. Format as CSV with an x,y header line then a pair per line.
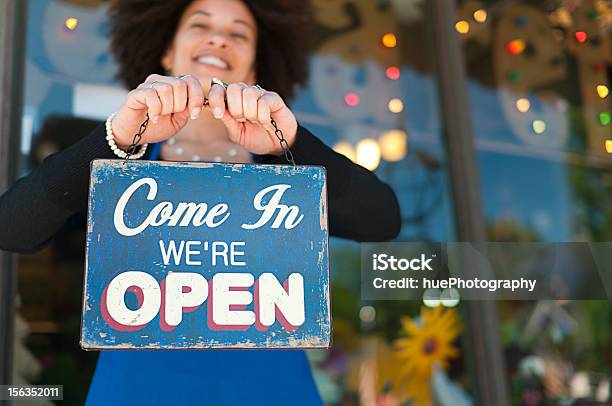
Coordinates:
x,y
110,137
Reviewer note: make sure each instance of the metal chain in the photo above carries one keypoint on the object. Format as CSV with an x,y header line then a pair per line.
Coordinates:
x,y
283,143
277,132
137,137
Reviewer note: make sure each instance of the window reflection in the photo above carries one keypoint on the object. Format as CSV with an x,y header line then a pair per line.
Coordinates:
x,y
536,106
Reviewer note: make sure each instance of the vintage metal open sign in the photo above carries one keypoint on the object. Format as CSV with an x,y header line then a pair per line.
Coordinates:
x,y
203,255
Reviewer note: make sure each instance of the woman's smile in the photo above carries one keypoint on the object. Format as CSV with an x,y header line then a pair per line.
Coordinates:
x,y
208,64
213,61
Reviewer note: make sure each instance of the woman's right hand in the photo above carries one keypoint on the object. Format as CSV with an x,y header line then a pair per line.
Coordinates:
x,y
168,100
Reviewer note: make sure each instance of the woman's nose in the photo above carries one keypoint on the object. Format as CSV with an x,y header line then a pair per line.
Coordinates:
x,y
217,40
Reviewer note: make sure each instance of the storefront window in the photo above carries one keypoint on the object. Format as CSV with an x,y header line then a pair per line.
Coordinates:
x,y
541,116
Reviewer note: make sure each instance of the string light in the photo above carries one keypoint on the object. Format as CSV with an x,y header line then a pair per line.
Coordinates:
x,y
351,99
609,146
523,105
602,91
514,75
599,67
346,149
368,154
367,314
71,23
480,15
389,40
592,14
604,118
462,27
516,46
581,36
393,72
431,298
539,126
393,145
520,21
396,105
450,297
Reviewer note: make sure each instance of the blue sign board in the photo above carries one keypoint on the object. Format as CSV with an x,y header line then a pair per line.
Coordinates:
x,y
206,255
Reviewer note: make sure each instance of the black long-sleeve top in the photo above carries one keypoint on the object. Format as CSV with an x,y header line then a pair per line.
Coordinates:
x,y
360,206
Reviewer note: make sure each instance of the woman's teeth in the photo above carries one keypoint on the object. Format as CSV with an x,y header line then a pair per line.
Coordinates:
x,y
213,61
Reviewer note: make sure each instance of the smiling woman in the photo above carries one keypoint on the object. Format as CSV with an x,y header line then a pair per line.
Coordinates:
x,y
279,37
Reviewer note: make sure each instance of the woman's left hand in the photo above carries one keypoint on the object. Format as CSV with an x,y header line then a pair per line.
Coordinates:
x,y
248,115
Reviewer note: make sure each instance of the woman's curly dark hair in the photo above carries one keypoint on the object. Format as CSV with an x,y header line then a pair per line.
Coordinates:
x,y
142,30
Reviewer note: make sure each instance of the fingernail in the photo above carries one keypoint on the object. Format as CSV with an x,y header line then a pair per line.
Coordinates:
x,y
195,112
218,112
155,119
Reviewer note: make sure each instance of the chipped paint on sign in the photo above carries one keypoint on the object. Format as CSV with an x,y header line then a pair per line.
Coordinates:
x,y
206,255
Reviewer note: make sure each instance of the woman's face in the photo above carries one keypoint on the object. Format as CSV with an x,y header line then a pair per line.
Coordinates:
x,y
214,38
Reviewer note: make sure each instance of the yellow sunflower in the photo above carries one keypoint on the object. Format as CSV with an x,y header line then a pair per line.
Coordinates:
x,y
429,341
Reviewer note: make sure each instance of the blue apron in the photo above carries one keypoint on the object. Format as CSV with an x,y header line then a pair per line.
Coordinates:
x,y
202,377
